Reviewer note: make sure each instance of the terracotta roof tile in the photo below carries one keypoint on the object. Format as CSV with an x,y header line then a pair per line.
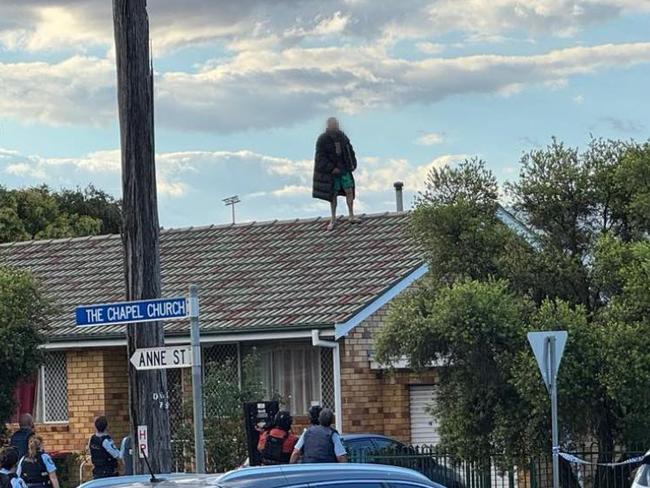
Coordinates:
x,y
272,275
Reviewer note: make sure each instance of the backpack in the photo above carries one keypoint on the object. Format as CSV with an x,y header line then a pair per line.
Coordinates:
x,y
5,480
272,453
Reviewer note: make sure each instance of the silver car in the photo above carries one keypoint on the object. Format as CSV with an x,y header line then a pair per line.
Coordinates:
x,y
283,476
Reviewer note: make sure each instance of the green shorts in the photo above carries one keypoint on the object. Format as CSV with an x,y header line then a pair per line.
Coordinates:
x,y
343,181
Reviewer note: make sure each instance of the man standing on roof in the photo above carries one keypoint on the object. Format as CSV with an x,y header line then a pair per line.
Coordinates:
x,y
334,164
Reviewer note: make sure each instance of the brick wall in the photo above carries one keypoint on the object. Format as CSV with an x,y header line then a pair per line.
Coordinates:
x,y
375,401
97,385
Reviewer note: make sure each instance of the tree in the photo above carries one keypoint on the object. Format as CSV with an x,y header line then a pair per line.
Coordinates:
x,y
23,317
487,287
40,213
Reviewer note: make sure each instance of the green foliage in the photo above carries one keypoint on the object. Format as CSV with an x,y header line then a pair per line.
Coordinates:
x,y
23,313
40,213
225,437
588,272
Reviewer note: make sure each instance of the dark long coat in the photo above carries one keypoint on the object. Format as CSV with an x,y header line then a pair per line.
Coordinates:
x,y
327,159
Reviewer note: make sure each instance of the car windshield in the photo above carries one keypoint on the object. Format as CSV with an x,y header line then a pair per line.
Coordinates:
x,y
642,477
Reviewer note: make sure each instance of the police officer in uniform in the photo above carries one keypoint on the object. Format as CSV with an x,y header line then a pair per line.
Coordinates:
x,y
314,413
20,438
320,443
126,454
8,463
37,469
103,453
277,443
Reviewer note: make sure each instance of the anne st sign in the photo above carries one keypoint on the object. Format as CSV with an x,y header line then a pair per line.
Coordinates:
x,y
162,358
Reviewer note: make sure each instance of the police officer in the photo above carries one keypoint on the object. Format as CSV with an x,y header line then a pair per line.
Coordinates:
x,y
20,438
277,443
37,469
314,412
8,463
103,453
126,454
320,443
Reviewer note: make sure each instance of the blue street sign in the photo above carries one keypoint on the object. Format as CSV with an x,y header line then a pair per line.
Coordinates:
x,y
129,312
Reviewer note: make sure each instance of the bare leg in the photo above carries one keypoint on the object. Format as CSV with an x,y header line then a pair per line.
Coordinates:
x,y
349,198
332,223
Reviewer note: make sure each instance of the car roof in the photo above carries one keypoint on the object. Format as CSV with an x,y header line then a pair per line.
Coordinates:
x,y
176,480
298,474
352,437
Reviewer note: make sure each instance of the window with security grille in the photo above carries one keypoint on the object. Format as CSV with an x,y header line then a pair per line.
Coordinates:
x,y
292,372
223,356
54,388
327,377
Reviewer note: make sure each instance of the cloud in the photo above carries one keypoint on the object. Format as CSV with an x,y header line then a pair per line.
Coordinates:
x,y
79,90
262,89
431,139
191,184
80,24
380,176
628,126
430,47
579,99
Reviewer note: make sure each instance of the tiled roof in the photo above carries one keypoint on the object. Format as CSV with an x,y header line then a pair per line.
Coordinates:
x,y
277,275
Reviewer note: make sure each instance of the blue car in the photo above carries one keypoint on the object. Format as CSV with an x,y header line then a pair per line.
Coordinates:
x,y
375,448
283,476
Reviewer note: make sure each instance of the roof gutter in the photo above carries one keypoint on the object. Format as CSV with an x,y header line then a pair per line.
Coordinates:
x,y
205,339
316,341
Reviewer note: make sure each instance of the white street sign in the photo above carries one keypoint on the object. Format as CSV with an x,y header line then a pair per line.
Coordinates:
x,y
548,348
539,341
143,441
162,358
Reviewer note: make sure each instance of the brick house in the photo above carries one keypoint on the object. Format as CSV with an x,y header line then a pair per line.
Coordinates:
x,y
308,300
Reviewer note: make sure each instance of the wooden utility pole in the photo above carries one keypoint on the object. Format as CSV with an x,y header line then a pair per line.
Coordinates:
x,y
148,401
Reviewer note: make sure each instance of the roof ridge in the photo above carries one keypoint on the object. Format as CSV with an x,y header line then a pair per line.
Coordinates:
x,y
192,228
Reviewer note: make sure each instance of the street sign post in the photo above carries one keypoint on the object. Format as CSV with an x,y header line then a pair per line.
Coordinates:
x,y
548,348
162,358
159,357
197,380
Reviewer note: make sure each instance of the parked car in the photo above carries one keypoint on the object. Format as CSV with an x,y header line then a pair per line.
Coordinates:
x,y
282,476
642,477
374,448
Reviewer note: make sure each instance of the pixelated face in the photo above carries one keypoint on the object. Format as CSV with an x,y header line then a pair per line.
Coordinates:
x,y
332,123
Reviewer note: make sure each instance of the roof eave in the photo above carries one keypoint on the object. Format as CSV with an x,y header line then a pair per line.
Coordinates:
x,y
346,327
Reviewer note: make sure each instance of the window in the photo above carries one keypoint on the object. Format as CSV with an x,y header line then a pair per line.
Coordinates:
x,y
388,444
292,372
52,391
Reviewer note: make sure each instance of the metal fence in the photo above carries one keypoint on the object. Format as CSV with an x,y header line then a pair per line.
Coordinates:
x,y
493,471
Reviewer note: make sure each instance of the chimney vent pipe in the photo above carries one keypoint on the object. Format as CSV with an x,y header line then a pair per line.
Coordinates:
x,y
399,198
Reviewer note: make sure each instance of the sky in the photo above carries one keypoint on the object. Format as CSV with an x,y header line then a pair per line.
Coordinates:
x,y
243,89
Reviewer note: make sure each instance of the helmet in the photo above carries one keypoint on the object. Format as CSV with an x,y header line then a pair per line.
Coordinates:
x,y
314,412
283,420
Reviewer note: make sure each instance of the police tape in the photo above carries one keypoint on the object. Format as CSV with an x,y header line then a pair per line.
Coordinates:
x,y
576,460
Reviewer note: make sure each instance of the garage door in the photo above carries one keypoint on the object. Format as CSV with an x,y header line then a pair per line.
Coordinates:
x,y
424,429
